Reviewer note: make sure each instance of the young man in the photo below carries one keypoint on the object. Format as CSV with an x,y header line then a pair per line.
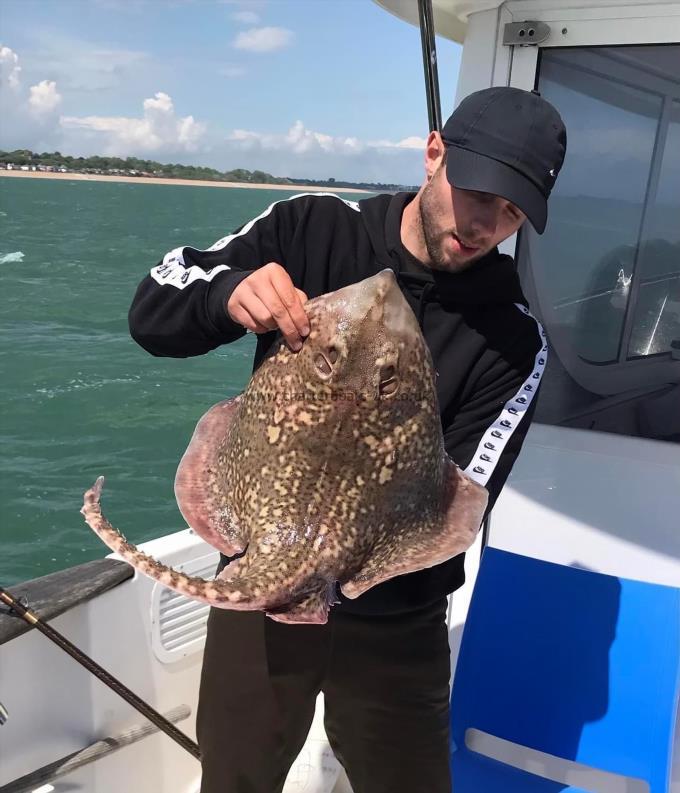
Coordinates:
x,y
382,660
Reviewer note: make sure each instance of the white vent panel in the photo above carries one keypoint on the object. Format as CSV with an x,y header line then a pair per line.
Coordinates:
x,y
178,624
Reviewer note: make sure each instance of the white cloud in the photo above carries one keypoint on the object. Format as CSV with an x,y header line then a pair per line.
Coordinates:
x,y
159,130
301,140
9,68
263,39
28,117
306,153
44,97
246,17
298,139
412,142
160,104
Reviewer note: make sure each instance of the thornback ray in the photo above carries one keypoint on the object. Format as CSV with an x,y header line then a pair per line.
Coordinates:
x,y
329,469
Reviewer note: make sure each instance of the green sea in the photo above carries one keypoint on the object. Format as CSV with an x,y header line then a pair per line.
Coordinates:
x,y
79,397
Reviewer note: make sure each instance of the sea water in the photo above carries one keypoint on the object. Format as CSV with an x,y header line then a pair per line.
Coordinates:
x,y
79,397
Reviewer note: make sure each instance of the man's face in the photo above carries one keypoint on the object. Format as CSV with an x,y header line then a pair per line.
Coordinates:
x,y
461,226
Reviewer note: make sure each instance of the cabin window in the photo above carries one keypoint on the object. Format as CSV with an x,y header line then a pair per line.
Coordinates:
x,y
604,278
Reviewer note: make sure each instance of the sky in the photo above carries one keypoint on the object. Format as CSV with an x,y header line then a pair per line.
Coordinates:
x,y
306,88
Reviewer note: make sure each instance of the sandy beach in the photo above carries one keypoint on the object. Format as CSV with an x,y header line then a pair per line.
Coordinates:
x,y
157,180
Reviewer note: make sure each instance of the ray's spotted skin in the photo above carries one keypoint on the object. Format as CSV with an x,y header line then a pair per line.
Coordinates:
x,y
329,469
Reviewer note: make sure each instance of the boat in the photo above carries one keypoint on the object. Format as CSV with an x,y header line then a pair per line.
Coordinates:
x,y
597,484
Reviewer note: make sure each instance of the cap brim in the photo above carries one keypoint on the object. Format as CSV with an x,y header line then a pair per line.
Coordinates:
x,y
472,171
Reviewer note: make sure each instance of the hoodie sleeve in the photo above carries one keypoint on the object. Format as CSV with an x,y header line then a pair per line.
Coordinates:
x,y
179,309
487,432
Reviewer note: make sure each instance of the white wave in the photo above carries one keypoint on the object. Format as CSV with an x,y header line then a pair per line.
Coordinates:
x,y
6,258
78,384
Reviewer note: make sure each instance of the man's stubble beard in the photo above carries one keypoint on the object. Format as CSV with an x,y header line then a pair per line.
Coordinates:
x,y
433,238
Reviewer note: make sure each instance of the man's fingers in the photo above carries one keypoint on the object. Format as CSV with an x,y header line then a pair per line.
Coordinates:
x,y
268,299
244,317
278,312
290,300
261,313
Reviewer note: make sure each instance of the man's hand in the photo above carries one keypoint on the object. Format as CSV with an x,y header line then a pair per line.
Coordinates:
x,y
267,300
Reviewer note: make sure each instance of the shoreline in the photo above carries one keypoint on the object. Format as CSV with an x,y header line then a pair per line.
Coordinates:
x,y
88,177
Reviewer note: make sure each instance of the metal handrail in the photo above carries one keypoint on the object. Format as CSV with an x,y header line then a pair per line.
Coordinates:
x,y
90,754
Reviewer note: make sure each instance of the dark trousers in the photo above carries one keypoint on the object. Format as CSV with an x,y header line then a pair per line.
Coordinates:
x,y
386,691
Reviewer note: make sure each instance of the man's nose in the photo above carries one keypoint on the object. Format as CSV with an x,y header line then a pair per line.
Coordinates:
x,y
484,219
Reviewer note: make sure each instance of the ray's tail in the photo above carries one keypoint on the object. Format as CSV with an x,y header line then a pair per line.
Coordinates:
x,y
221,593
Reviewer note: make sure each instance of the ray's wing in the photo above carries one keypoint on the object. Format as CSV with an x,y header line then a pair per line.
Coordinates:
x,y
199,492
419,546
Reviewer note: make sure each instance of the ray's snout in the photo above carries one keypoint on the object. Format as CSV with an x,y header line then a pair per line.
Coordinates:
x,y
391,308
383,282
379,301
378,287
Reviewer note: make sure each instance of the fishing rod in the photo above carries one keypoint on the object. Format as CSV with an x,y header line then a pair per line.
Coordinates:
x,y
426,24
92,666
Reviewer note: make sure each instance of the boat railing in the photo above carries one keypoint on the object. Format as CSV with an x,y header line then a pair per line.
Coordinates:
x,y
90,754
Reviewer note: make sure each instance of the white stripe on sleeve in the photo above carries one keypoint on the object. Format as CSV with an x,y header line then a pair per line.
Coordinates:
x,y
173,270
497,435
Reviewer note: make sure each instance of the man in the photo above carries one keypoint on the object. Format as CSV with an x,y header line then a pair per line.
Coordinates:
x,y
382,660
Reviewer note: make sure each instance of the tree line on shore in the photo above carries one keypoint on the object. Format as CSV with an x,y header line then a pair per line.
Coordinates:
x,y
133,166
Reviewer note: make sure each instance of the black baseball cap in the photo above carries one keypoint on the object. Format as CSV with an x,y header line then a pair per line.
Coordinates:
x,y
508,142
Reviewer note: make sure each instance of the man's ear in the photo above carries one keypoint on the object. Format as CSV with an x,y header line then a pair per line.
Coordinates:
x,y
434,153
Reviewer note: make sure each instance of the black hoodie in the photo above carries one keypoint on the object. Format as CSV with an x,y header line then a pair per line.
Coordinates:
x,y
488,351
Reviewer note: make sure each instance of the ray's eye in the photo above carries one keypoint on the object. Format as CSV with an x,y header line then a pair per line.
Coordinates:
x,y
388,381
324,362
